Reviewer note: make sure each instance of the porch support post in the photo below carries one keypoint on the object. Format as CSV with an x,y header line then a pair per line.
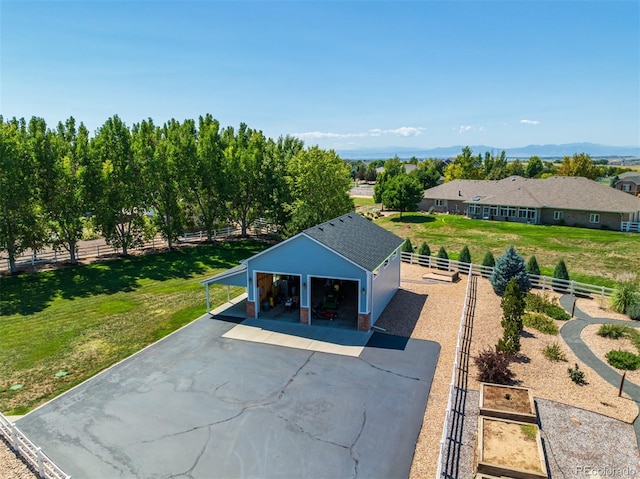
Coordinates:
x,y
228,297
208,303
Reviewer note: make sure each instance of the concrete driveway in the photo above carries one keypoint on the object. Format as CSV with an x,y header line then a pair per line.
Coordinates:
x,y
199,405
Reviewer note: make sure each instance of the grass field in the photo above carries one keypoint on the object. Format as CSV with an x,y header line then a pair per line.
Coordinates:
x,y
361,201
592,256
86,318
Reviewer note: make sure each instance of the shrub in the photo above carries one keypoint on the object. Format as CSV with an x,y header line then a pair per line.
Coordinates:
x,y
493,367
489,261
465,260
532,266
540,322
624,296
442,255
553,352
623,360
535,302
633,310
576,375
513,304
510,265
407,247
509,344
560,272
424,249
613,331
556,312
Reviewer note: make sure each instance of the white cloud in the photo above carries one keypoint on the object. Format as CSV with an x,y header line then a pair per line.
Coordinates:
x,y
529,122
481,128
402,131
463,128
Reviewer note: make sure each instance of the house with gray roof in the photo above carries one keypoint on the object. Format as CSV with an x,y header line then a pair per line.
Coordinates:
x,y
628,182
559,200
348,267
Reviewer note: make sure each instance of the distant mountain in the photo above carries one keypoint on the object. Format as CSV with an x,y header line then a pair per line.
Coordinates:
x,y
543,151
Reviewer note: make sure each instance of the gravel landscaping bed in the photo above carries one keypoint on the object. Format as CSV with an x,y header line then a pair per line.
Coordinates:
x,y
11,466
577,442
601,346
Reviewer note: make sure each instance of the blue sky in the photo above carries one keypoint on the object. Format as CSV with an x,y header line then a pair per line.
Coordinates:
x,y
339,74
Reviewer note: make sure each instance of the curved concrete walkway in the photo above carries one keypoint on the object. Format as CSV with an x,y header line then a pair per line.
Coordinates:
x,y
571,333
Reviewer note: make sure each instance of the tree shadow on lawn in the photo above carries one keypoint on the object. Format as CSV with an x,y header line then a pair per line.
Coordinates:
x,y
414,219
30,293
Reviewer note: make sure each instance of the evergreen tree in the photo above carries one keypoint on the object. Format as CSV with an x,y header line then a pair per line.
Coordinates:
x,y
407,247
532,266
509,344
513,304
510,265
442,255
488,261
465,257
424,249
560,272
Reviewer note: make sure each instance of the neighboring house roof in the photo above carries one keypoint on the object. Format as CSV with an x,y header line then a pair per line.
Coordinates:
x,y
633,176
357,239
408,168
562,192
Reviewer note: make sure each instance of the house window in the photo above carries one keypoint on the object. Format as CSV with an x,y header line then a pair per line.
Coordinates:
x,y
439,202
474,209
494,211
386,263
511,212
626,187
594,218
557,215
527,213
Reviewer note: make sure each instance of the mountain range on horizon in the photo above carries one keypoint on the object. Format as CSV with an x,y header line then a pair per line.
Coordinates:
x,y
543,151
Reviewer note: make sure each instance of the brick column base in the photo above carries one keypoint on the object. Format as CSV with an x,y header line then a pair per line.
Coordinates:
x,y
304,315
251,309
364,322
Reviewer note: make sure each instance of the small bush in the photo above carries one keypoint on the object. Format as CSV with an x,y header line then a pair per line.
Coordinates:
x,y
488,261
443,256
424,249
624,296
407,247
465,257
530,431
623,360
553,352
540,322
560,272
576,375
556,312
535,302
532,266
633,311
613,331
493,367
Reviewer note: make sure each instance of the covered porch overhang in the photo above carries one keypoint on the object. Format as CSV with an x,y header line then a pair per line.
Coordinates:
x,y
236,276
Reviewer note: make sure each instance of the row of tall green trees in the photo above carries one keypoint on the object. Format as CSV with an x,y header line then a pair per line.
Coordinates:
x,y
132,183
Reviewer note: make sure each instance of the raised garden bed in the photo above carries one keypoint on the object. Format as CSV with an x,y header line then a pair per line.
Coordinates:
x,y
510,449
507,402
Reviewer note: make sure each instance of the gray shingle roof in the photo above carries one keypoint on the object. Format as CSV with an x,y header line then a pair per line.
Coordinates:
x,y
562,192
633,176
357,239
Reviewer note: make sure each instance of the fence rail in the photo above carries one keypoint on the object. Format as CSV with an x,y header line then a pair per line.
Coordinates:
x,y
630,226
85,252
537,281
31,453
454,373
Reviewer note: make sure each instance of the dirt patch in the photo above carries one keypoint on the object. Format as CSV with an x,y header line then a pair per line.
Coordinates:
x,y
510,445
503,399
599,308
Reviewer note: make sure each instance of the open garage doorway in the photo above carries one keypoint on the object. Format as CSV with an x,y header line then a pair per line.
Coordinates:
x,y
334,302
279,296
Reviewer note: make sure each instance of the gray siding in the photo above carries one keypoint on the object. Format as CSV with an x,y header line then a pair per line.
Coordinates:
x,y
450,206
385,285
303,256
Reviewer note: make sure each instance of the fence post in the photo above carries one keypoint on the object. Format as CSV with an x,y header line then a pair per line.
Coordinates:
x,y
33,259
40,462
55,256
571,287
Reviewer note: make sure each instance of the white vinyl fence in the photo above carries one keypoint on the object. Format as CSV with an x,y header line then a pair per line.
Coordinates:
x,y
84,252
32,454
540,282
630,226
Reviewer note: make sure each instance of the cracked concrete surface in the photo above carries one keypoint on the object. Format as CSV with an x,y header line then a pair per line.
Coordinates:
x,y
197,405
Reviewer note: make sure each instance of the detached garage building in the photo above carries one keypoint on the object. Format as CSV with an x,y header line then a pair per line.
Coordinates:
x,y
348,264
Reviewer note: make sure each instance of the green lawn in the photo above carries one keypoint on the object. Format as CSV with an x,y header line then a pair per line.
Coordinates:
x,y
592,256
360,201
86,318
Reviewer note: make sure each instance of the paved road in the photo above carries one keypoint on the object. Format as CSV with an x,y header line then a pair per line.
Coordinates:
x,y
199,405
571,333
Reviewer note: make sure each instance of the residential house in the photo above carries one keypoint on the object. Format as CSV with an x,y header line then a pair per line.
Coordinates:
x,y
559,200
629,182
